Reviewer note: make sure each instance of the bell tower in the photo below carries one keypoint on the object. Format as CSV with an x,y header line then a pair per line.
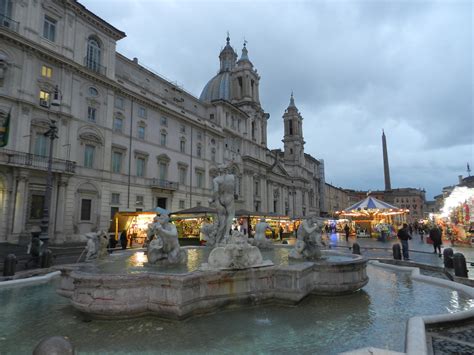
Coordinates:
x,y
293,139
245,80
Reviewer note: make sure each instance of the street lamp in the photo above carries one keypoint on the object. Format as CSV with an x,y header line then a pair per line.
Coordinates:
x,y
51,133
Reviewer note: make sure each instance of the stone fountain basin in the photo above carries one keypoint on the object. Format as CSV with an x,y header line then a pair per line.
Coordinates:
x,y
179,296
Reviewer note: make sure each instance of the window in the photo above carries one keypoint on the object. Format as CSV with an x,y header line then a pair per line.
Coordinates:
x,y
162,170
115,200
163,139
141,167
182,175
256,188
49,28
91,113
44,98
211,117
253,130
93,92
181,204
141,132
89,151
93,55
198,203
113,211
6,8
142,112
86,206
199,179
46,71
199,135
213,154
182,128
118,124
182,145
119,102
37,206
41,144
164,121
139,200
199,150
117,162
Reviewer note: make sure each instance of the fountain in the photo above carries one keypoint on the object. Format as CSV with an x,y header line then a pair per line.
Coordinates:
x,y
235,272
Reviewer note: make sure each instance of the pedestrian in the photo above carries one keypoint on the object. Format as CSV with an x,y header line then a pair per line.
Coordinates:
x,y
410,229
347,230
123,239
435,235
404,235
421,232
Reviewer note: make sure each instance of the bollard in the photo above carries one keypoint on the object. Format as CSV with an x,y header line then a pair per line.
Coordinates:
x,y
46,259
460,268
54,345
397,253
448,258
356,249
9,265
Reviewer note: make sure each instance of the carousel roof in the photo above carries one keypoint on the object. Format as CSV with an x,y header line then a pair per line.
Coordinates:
x,y
371,203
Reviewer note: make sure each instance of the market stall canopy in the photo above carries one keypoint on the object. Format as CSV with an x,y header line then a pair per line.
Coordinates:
x,y
244,213
159,210
195,210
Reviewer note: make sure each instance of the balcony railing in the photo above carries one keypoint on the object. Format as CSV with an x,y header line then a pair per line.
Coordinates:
x,y
22,159
163,184
94,66
7,22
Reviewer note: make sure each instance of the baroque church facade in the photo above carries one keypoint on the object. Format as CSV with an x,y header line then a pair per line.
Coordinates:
x,y
127,138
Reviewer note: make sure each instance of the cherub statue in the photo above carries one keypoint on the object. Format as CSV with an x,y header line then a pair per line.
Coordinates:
x,y
165,247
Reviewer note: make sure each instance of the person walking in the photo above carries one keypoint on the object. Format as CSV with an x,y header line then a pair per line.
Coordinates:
x,y
421,232
123,239
404,236
435,235
347,230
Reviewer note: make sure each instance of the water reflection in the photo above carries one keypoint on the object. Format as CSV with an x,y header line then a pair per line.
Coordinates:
x,y
138,259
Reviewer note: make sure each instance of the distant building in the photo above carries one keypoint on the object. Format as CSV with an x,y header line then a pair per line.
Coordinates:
x,y
335,199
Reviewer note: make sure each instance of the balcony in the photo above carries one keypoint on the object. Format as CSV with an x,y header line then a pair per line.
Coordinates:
x,y
163,184
32,161
7,22
94,66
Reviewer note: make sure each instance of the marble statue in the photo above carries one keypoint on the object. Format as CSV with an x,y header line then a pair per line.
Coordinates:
x,y
223,201
209,232
236,254
96,245
260,240
308,241
164,248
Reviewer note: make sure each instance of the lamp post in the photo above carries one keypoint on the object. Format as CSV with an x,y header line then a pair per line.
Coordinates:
x,y
51,133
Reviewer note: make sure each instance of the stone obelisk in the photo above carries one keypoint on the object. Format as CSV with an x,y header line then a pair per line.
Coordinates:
x,y
386,168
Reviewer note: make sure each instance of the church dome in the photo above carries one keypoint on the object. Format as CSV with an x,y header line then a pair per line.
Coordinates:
x,y
218,88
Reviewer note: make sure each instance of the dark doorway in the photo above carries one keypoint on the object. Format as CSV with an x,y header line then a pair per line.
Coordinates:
x,y
161,202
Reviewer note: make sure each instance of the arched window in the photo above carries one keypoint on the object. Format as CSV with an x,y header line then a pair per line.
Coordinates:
x,y
93,55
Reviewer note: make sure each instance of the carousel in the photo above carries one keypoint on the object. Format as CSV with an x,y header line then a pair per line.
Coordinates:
x,y
375,218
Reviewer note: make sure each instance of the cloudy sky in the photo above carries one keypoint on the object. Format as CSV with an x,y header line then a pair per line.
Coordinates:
x,y
355,67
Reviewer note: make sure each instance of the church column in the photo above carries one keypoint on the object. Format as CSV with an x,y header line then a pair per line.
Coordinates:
x,y
19,216
248,188
61,207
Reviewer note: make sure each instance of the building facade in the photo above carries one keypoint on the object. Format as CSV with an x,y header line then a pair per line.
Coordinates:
x,y
336,199
127,138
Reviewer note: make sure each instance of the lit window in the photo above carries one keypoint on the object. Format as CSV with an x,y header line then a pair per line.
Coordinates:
x,y
46,71
89,156
141,132
116,162
118,124
115,200
91,114
44,98
141,167
49,28
142,112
